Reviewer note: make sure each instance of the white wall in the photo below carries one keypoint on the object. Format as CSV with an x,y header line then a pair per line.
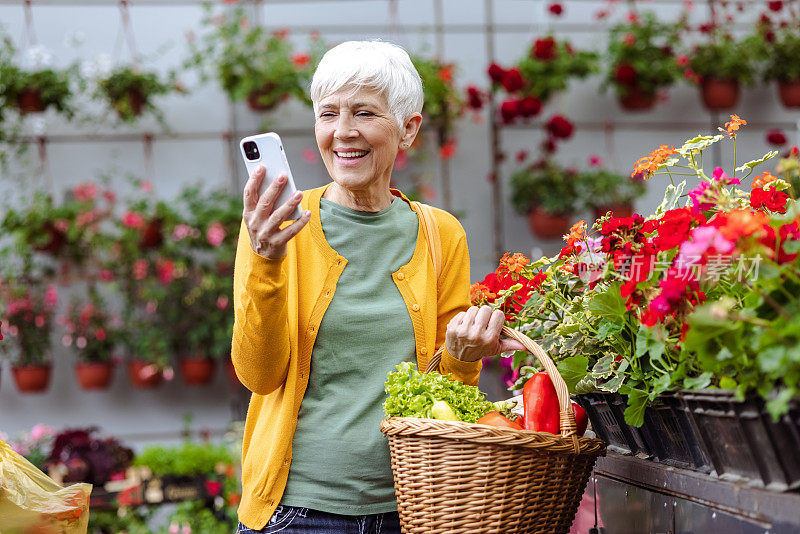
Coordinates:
x,y
603,129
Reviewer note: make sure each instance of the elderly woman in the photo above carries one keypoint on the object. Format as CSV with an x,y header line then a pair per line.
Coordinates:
x,y
327,305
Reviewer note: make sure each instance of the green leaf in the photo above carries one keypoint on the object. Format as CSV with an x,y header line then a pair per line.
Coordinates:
x,y
791,247
727,382
573,370
609,304
587,385
699,143
637,402
699,382
672,196
608,328
757,162
780,404
603,368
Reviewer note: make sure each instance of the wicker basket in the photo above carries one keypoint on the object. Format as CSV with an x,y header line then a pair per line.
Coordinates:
x,y
453,477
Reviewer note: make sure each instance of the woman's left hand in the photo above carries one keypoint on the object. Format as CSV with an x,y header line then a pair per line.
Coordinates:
x,y
475,334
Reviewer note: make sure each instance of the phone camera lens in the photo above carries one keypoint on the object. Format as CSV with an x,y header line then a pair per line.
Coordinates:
x,y
251,150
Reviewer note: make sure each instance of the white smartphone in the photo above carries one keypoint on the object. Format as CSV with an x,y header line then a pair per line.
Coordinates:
x,y
267,150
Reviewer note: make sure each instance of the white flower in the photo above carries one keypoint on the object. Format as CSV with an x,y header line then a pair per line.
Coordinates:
x,y
74,38
38,57
38,124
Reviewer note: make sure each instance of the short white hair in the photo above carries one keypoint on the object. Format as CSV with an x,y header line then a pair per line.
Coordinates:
x,y
383,66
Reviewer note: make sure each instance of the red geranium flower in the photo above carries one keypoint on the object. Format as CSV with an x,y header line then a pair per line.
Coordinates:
x,y
555,8
544,49
509,110
776,137
560,127
474,97
496,72
771,199
625,74
775,5
529,107
512,80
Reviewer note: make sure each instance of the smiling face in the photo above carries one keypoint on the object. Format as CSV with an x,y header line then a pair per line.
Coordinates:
x,y
358,138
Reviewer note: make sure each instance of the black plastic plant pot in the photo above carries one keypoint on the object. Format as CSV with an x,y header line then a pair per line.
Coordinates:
x,y
743,443
606,412
675,439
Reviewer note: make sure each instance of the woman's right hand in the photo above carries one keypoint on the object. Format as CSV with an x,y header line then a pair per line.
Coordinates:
x,y
263,219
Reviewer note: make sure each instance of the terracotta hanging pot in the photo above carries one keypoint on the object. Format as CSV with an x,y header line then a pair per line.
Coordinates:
x,y
256,102
636,100
789,91
144,375
30,101
136,102
548,226
197,371
32,378
152,234
55,239
93,376
719,94
617,210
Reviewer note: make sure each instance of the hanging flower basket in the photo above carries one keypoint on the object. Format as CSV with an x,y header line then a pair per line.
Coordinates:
x,y
30,101
719,94
131,105
636,100
94,376
789,92
144,375
265,99
32,378
548,225
197,371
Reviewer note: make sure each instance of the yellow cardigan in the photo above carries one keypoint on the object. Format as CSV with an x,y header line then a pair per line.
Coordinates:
x,y
279,304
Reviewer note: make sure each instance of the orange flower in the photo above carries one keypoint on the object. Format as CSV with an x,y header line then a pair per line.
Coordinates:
x,y
734,124
446,73
512,263
648,165
764,179
479,293
576,233
742,223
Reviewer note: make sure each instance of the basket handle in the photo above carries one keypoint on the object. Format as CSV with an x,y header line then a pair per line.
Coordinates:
x,y
566,419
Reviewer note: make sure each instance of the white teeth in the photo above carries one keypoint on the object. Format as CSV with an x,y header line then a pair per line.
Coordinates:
x,y
354,154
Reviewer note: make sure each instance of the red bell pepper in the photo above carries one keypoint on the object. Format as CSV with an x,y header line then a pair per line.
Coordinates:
x,y
540,402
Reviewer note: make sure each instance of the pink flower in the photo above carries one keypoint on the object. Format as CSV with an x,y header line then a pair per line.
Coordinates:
x,y
595,161
215,234
213,488
40,319
401,160
132,220
704,239
140,269
51,295
110,196
81,342
62,225
222,302
100,334
146,186
151,307
166,271
85,192
40,431
106,275
86,218
720,176
181,231
310,155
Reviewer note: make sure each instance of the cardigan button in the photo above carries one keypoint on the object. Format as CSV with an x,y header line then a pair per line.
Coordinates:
x,y
400,276
415,307
423,350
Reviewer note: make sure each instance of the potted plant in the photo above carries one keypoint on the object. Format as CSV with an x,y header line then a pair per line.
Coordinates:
x,y
641,60
544,71
68,232
251,63
779,48
94,334
546,193
603,190
722,64
28,309
129,91
146,342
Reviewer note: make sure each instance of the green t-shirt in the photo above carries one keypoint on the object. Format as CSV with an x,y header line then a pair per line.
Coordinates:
x,y
340,459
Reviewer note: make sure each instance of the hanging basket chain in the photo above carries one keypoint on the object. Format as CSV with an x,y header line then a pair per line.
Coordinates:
x,y
125,35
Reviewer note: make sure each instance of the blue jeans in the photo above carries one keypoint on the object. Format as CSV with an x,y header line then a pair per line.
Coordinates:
x,y
291,520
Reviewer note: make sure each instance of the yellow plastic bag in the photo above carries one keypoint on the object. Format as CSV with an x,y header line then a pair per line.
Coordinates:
x,y
32,503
